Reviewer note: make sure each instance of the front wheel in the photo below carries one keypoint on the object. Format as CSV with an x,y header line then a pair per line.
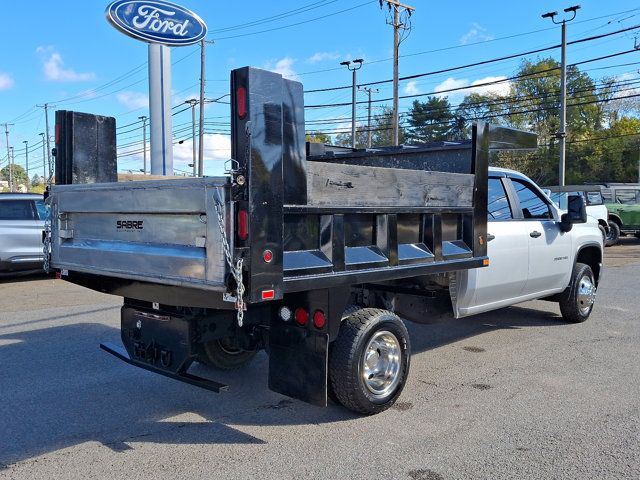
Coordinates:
x,y
369,361
614,234
576,302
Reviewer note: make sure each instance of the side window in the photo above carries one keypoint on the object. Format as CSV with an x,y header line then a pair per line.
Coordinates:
x,y
16,210
532,204
594,198
626,196
498,205
42,209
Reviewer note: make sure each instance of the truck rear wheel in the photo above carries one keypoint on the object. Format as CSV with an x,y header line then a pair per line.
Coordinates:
x,y
222,355
614,234
576,302
369,361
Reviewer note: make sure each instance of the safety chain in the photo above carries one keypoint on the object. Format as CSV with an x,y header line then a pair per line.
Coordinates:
x,y
236,270
46,241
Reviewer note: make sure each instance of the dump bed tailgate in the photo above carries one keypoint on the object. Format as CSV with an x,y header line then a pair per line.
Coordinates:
x,y
160,231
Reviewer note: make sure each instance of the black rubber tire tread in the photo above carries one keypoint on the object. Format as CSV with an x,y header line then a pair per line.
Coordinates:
x,y
331,395
214,356
614,234
604,235
355,332
568,302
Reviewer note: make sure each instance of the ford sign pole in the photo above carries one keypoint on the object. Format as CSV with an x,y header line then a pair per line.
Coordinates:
x,y
161,128
162,25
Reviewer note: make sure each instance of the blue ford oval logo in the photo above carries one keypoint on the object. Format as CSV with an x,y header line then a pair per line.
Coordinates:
x,y
156,21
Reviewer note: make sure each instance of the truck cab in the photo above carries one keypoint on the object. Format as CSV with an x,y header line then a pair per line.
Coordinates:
x,y
530,254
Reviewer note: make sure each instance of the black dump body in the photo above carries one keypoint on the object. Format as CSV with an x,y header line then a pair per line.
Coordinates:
x,y
314,227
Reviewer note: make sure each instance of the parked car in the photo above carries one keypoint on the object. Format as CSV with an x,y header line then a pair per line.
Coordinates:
x,y
22,218
593,199
623,203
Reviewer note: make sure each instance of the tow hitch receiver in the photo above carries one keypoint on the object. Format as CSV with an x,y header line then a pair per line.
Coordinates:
x,y
161,344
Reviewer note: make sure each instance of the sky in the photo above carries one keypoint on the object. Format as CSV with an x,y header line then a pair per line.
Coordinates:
x,y
65,53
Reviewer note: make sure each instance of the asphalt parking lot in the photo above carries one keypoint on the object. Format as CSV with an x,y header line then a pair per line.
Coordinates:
x,y
510,394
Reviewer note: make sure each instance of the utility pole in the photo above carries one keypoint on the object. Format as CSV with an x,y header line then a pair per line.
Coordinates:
x,y
44,159
193,102
369,91
562,134
6,132
11,161
144,143
46,107
26,159
353,66
397,25
202,102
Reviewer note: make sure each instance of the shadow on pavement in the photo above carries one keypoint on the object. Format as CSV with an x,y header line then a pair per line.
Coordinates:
x,y
57,390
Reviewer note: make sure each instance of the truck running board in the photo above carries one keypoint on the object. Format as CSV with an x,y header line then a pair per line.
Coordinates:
x,y
122,354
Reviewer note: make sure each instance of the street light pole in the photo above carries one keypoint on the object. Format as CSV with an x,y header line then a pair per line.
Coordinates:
x,y
562,134
193,102
144,144
6,131
26,159
11,179
353,66
369,91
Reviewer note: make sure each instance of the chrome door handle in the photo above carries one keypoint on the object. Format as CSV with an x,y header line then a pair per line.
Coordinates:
x,y
535,234
490,237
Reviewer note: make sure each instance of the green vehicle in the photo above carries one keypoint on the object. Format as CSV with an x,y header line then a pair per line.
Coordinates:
x,y
623,202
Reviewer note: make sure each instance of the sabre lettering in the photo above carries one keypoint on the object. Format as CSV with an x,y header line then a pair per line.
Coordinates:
x,y
129,224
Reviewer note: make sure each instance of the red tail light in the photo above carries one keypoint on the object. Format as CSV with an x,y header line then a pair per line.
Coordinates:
x,y
319,319
241,102
301,316
243,224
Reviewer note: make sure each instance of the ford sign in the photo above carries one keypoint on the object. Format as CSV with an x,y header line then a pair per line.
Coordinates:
x,y
156,21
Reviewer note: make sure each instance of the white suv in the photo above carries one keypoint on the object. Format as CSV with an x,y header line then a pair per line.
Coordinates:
x,y
22,217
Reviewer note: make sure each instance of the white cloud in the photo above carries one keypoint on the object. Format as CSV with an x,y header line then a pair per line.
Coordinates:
x,y
53,67
502,88
449,84
323,57
6,81
412,88
217,149
475,34
133,100
284,67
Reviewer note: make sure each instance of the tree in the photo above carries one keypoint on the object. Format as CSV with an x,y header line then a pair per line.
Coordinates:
x,y
19,175
317,137
36,180
430,121
381,132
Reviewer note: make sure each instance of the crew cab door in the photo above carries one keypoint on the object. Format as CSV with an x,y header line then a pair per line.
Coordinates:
x,y
550,259
504,279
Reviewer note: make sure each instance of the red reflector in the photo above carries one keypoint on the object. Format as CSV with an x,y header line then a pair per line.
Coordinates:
x,y
301,316
57,134
267,256
268,294
243,224
318,319
58,275
241,102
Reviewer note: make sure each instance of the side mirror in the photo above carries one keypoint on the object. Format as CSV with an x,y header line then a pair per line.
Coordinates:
x,y
577,209
565,223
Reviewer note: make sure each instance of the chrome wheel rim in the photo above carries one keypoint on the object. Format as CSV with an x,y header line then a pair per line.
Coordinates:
x,y
586,294
381,364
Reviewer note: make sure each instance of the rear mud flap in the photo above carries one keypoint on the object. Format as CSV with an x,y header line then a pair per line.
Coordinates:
x,y
298,363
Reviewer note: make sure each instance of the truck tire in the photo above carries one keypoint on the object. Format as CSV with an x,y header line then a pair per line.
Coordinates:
x,y
576,302
369,361
331,395
222,356
604,235
614,234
